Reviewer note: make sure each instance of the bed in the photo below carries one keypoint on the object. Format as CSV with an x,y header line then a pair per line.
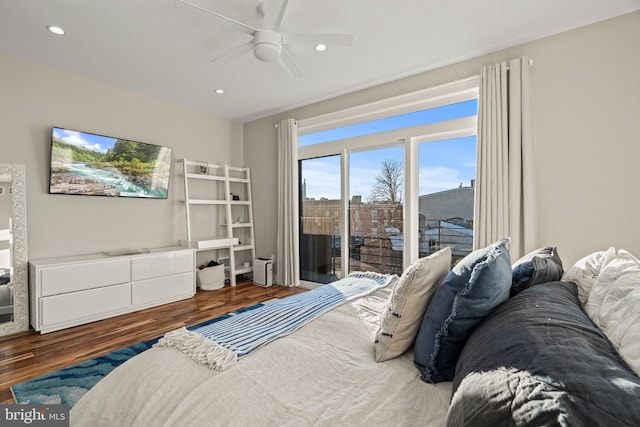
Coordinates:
x,y
323,374
433,347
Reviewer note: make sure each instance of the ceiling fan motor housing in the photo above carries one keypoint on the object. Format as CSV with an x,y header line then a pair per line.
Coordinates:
x,y
267,45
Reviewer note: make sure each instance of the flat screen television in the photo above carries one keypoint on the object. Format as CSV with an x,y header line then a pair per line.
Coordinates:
x,y
88,164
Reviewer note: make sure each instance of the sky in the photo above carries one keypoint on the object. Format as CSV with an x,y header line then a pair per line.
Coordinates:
x,y
431,115
89,141
443,165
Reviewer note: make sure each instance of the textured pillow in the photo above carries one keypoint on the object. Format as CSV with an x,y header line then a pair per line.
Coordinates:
x,y
614,303
584,272
405,307
540,266
539,360
475,286
5,296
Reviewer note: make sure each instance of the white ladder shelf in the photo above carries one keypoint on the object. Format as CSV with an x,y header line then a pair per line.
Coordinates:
x,y
217,183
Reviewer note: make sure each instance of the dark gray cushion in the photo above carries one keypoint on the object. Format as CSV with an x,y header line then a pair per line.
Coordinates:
x,y
540,266
477,284
538,359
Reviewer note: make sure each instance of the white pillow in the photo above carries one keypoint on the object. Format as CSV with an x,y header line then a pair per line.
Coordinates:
x,y
585,271
614,303
403,312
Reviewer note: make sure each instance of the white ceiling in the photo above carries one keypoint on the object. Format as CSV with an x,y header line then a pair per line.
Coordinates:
x,y
151,47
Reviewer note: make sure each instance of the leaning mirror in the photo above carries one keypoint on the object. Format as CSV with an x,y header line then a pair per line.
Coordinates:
x,y
14,310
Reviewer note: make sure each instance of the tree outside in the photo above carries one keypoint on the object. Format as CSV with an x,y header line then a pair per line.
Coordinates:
x,y
388,183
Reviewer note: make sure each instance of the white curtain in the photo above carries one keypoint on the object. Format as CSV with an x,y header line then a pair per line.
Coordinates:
x,y
288,270
505,203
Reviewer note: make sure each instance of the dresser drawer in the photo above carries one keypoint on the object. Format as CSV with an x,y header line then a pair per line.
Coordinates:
x,y
89,304
63,278
147,267
70,291
178,286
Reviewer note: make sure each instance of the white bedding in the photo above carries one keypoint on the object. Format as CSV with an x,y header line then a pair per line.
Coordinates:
x,y
322,375
610,285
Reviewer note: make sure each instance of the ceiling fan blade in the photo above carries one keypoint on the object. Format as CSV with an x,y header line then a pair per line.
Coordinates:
x,y
192,7
289,64
234,53
273,13
314,39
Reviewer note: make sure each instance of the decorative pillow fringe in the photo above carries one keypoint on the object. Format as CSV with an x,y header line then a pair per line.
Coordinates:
x,y
199,348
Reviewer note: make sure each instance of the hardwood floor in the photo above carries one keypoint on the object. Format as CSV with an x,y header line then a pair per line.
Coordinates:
x,y
29,354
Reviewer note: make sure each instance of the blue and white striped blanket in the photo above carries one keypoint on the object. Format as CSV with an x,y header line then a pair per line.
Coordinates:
x,y
220,344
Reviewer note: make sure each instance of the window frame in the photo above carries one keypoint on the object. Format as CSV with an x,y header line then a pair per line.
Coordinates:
x,y
409,137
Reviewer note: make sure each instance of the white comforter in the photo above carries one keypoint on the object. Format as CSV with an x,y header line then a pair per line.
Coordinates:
x,y
322,375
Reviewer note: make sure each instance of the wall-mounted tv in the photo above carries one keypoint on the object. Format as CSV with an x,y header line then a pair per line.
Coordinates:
x,y
95,165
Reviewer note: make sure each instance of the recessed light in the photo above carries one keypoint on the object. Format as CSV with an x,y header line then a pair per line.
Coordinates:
x,y
320,47
219,91
56,30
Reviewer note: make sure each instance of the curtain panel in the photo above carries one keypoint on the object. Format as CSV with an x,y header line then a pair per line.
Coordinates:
x,y
505,204
288,270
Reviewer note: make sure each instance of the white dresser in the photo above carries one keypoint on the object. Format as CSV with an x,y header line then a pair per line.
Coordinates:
x,y
71,291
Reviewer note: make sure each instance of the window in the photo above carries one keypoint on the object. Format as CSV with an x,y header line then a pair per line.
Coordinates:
x,y
388,171
417,118
446,190
375,210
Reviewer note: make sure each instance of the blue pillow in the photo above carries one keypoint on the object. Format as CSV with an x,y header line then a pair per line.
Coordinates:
x,y
540,266
476,285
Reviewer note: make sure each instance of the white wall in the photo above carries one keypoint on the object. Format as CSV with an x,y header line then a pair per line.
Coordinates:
x,y
586,118
35,97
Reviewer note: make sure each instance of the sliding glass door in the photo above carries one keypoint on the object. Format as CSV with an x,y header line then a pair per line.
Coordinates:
x,y
320,224
386,183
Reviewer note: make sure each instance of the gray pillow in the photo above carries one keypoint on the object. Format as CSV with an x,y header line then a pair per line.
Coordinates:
x,y
538,359
540,266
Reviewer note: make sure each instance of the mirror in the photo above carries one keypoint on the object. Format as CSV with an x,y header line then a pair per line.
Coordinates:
x,y
14,309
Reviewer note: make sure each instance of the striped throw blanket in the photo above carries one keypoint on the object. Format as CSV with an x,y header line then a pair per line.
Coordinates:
x,y
219,345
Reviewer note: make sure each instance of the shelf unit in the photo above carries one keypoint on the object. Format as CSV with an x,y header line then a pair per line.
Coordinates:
x,y
235,235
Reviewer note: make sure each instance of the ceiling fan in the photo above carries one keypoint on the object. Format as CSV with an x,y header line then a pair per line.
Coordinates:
x,y
268,43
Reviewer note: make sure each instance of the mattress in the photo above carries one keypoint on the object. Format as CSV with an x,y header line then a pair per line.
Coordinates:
x,y
324,374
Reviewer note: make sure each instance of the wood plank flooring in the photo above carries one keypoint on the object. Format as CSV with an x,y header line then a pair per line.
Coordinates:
x,y
29,354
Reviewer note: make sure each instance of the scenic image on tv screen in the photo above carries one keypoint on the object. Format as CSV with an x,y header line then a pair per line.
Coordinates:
x,y
88,164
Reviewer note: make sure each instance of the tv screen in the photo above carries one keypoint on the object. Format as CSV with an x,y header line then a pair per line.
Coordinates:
x,y
95,165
